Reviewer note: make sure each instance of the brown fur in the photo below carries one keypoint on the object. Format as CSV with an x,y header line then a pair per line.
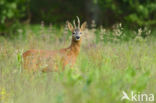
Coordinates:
x,y
48,60
33,58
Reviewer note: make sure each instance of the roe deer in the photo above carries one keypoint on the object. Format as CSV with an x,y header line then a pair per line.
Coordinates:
x,y
48,60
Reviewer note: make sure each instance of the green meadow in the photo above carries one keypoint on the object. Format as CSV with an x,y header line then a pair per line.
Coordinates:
x,y
110,61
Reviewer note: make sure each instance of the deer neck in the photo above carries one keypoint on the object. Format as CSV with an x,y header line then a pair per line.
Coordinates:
x,y
75,47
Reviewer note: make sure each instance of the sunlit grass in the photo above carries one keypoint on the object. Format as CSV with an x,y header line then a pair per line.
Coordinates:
x,y
103,69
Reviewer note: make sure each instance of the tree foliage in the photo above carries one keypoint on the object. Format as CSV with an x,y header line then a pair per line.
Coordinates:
x,y
105,12
10,12
141,12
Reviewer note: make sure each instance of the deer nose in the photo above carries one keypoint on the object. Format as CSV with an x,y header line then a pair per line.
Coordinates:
x,y
77,37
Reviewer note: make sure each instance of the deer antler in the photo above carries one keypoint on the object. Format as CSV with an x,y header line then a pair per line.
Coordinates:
x,y
74,23
78,20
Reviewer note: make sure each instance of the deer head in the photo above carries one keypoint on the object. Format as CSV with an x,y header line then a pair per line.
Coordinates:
x,y
77,31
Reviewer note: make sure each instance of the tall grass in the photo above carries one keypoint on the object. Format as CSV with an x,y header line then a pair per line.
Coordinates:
x,y
109,62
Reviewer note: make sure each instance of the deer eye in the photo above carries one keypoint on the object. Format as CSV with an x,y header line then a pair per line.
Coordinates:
x,y
73,32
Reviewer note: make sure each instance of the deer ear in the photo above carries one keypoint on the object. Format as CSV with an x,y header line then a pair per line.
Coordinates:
x,y
83,26
70,26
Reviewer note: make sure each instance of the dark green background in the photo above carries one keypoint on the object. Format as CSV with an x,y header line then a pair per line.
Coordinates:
x,y
104,12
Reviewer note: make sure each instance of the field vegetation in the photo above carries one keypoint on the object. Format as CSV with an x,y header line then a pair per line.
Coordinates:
x,y
111,61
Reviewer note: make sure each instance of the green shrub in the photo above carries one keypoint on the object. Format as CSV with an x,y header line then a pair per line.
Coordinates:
x,y
10,13
141,12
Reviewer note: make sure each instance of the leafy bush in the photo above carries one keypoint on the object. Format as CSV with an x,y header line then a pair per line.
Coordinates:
x,y
10,13
141,12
